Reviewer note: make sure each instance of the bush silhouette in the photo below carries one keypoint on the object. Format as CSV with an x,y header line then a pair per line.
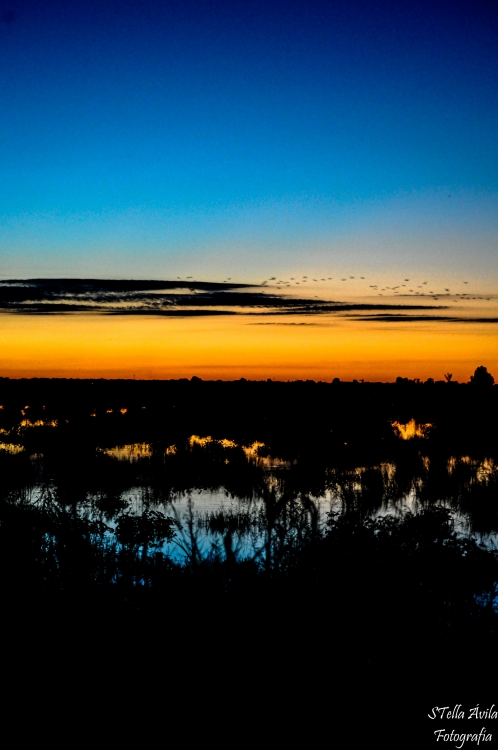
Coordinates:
x,y
482,377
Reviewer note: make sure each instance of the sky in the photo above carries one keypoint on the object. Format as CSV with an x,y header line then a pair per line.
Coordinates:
x,y
250,143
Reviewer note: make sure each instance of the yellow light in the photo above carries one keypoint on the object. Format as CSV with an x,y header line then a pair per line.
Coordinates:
x,y
411,429
253,347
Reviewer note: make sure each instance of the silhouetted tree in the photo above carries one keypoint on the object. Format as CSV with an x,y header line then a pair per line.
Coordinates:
x,y
448,376
482,377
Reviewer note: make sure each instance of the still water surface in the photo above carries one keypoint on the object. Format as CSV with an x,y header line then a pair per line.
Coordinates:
x,y
273,502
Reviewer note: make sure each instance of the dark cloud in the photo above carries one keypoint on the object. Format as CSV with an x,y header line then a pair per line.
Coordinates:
x,y
417,318
56,308
165,298
80,286
311,308
170,313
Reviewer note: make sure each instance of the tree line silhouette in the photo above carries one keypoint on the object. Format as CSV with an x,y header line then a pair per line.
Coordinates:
x,y
74,544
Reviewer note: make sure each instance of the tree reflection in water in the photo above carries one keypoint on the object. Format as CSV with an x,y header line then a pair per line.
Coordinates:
x,y
251,523
266,504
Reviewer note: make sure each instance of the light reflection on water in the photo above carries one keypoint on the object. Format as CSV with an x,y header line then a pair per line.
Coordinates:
x,y
11,448
411,429
196,513
136,451
129,452
205,516
38,423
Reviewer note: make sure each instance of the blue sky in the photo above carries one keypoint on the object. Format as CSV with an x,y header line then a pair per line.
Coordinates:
x,y
150,139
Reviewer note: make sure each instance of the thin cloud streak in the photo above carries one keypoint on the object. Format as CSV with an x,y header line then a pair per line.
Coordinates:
x,y
165,298
417,318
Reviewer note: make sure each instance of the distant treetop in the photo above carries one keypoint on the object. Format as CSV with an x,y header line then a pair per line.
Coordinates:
x,y
482,377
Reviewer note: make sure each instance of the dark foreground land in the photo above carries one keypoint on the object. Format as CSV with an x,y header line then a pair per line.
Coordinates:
x,y
274,593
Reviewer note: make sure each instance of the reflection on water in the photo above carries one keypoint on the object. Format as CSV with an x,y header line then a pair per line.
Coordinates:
x,y
486,469
38,423
278,511
203,441
247,499
204,519
411,429
251,451
11,448
130,452
256,452
26,424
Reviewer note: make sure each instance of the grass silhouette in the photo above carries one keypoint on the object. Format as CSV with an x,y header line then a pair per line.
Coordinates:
x,y
394,578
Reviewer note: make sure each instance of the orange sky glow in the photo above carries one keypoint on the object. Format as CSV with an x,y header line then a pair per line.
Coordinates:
x,y
254,347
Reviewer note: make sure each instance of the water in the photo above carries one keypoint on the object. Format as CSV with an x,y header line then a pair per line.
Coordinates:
x,y
220,493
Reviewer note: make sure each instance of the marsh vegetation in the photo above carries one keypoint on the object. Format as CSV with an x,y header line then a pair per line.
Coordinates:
x,y
379,521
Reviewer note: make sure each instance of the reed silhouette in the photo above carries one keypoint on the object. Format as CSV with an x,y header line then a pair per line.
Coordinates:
x,y
248,507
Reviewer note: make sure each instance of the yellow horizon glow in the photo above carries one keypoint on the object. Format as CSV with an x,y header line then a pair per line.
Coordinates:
x,y
231,347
